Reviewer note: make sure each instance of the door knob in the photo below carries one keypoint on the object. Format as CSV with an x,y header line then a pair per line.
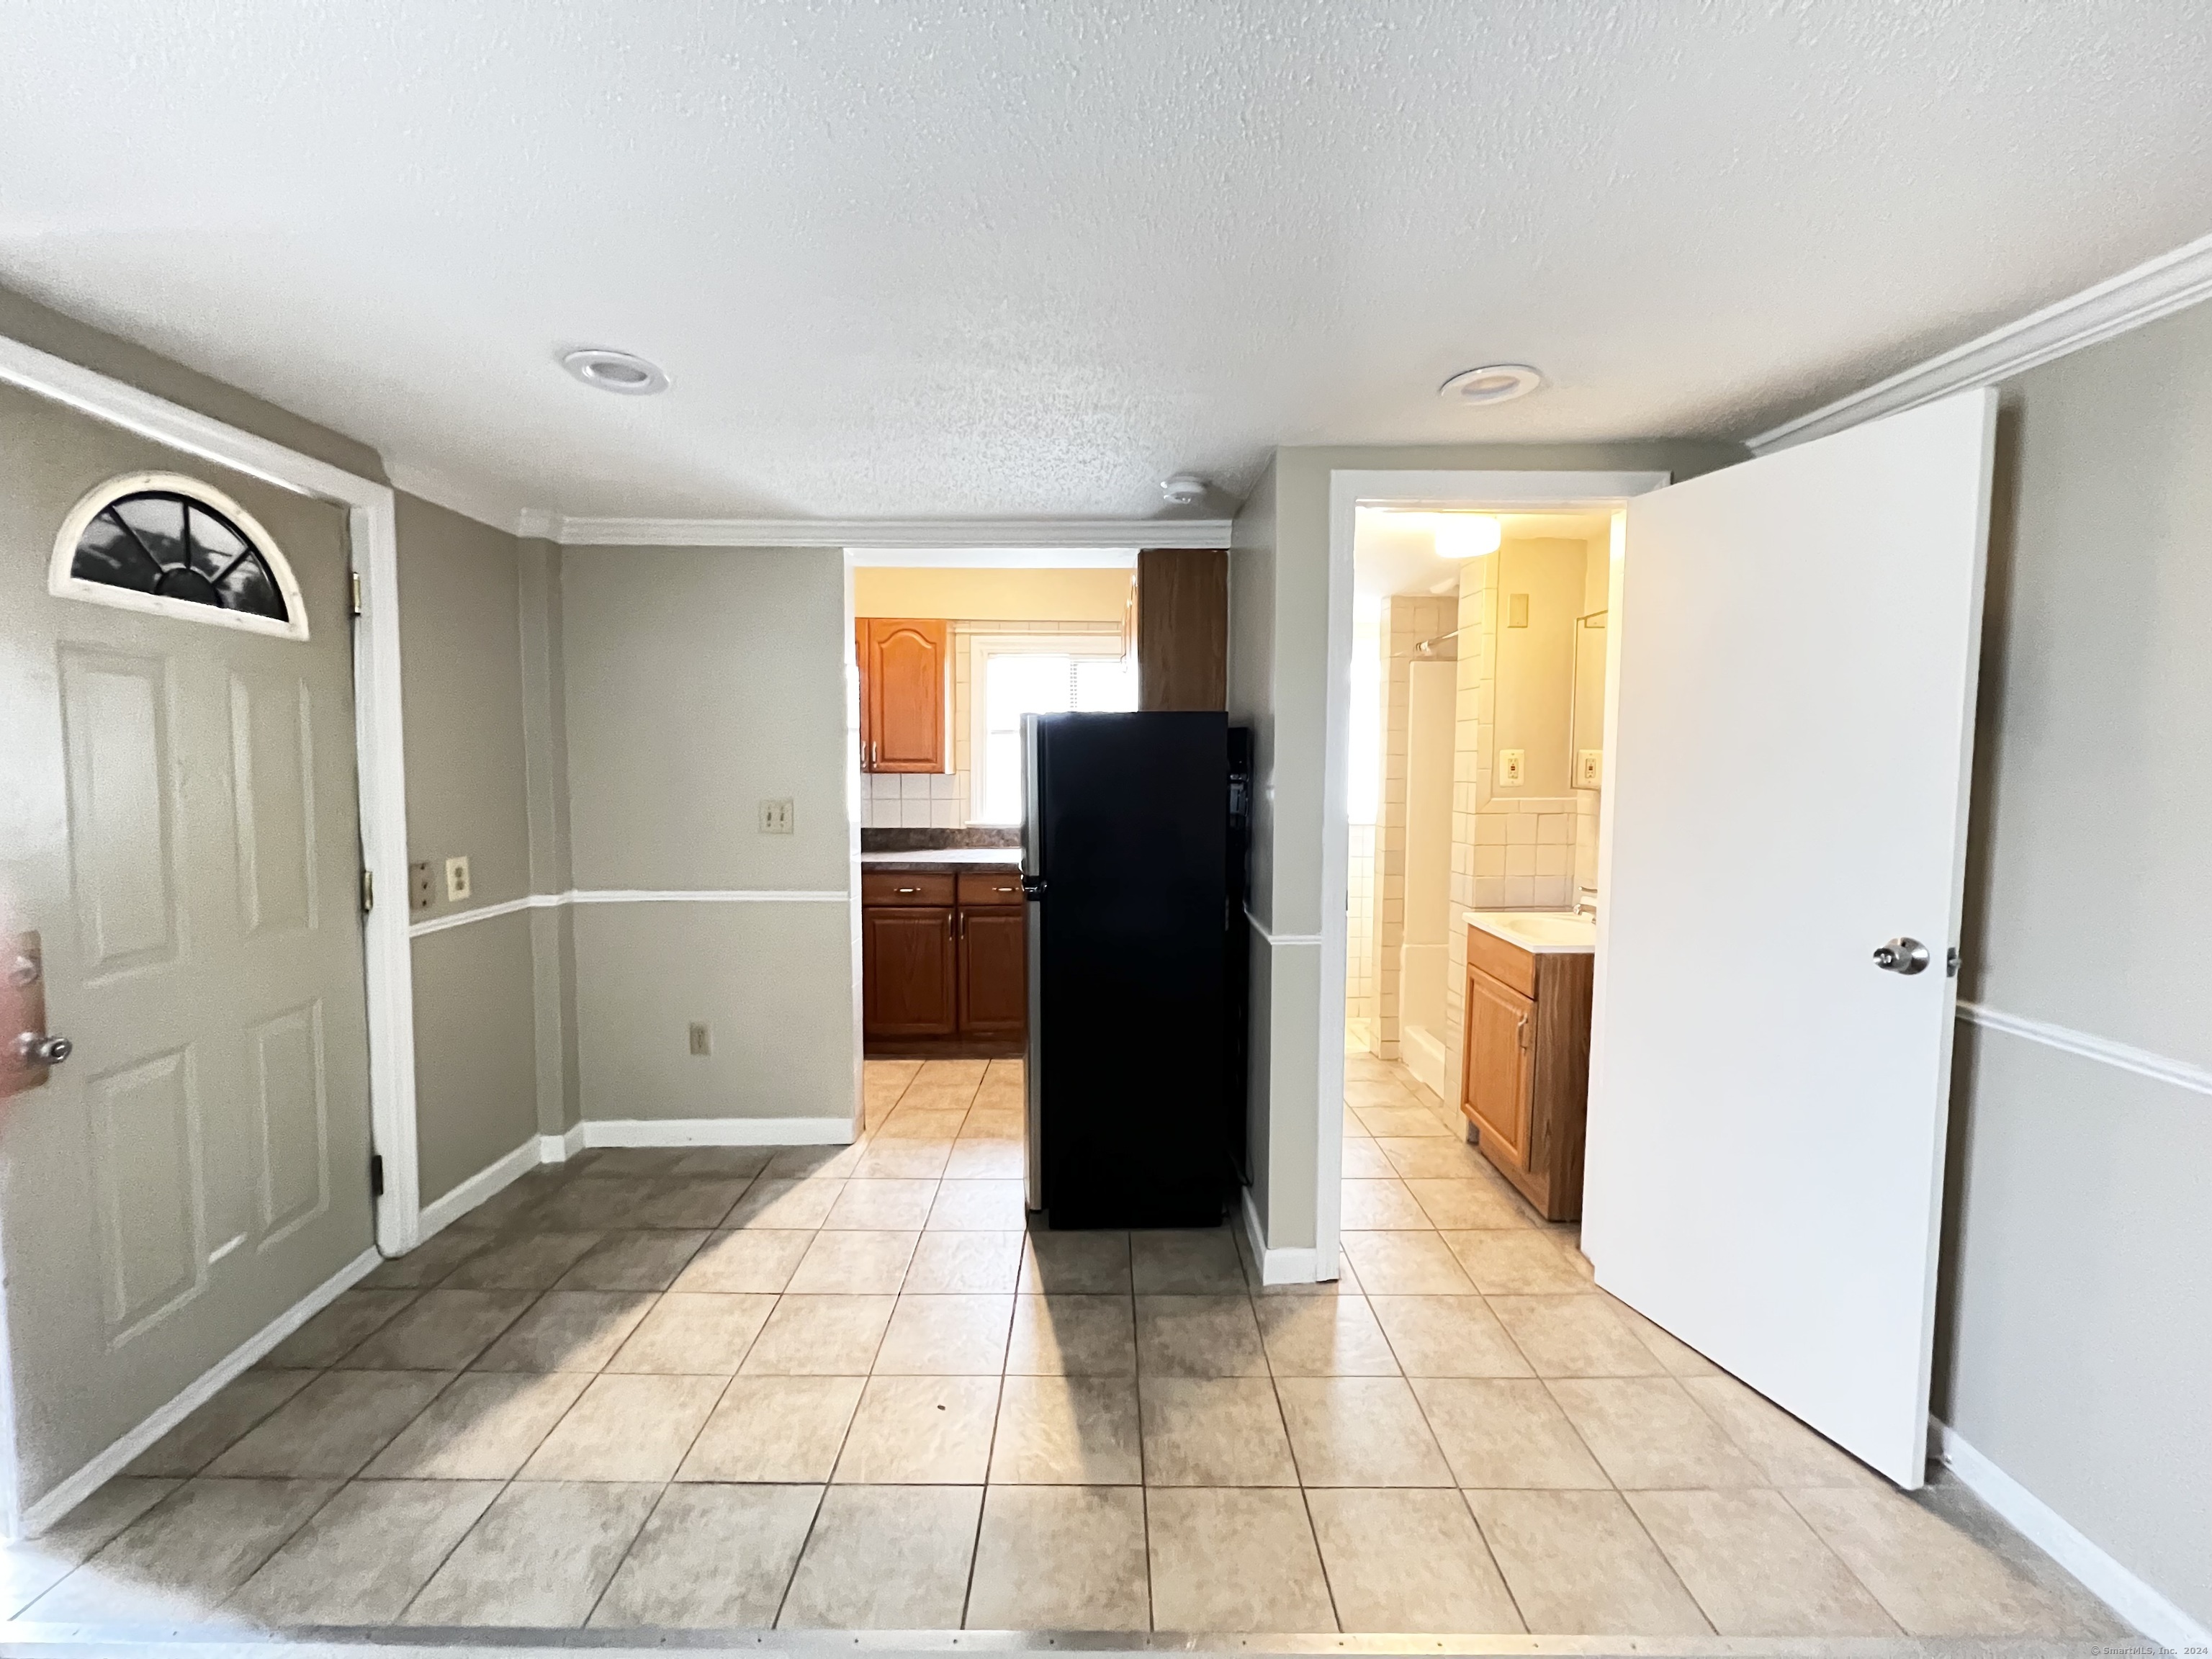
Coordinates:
x,y
1901,956
37,1048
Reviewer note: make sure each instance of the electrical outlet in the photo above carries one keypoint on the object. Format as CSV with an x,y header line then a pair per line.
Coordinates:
x,y
419,885
702,1038
457,877
775,818
1590,768
1511,762
1517,609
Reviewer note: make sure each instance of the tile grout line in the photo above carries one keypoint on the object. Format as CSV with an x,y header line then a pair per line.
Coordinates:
x,y
829,1476
552,1428
1488,1549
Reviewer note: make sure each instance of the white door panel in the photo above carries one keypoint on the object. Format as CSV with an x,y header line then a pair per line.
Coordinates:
x,y
1790,725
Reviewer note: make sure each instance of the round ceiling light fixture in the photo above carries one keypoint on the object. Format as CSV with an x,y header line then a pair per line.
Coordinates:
x,y
1494,383
616,371
1184,489
1465,535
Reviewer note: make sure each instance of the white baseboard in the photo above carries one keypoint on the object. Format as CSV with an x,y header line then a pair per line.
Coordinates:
x,y
1277,1266
2051,1532
492,1178
717,1130
110,1463
559,1149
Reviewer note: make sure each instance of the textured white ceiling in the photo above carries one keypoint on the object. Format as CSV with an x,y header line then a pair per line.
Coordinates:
x,y
948,258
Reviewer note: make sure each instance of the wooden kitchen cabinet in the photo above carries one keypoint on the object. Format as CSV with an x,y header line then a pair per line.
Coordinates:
x,y
908,971
994,991
1525,1080
906,667
945,963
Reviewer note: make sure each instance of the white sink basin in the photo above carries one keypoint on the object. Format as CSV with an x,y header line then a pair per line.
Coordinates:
x,y
1539,930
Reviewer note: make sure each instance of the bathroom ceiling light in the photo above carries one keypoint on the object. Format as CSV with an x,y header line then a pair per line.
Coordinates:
x,y
1184,489
616,371
1494,383
1465,535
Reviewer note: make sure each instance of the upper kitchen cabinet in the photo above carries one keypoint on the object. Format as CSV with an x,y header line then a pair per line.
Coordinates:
x,y
906,668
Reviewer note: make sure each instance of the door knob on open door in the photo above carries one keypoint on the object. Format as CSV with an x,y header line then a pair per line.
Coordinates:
x,y
1901,956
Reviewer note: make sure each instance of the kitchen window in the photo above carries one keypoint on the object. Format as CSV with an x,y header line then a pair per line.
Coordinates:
x,y
1010,676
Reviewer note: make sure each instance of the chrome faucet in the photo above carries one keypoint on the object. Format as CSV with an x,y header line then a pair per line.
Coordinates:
x,y
1586,903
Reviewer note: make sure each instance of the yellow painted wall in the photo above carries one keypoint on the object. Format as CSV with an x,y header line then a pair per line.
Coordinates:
x,y
994,595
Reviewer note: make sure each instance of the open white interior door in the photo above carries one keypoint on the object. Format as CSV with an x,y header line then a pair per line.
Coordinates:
x,y
1791,724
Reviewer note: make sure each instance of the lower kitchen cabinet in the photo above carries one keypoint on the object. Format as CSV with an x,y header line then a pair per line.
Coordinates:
x,y
995,992
909,972
944,964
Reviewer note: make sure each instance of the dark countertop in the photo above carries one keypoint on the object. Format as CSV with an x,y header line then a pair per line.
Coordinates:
x,y
943,861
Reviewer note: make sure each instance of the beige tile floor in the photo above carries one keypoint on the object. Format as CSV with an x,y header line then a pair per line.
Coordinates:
x,y
845,1387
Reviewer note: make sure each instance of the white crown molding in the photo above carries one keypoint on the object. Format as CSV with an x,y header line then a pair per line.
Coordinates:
x,y
900,533
2155,289
489,507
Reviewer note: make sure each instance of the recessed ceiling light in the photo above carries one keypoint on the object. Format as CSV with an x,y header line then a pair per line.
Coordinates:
x,y
616,371
1494,383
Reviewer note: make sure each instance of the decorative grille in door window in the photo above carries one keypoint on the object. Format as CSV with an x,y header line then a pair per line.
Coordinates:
x,y
170,545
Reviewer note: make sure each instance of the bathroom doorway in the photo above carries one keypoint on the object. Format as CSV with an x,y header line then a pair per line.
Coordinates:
x,y
1475,757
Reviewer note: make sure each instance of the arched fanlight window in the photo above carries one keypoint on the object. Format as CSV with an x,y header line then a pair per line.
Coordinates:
x,y
172,546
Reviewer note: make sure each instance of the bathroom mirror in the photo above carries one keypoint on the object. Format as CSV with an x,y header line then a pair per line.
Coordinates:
x,y
1541,594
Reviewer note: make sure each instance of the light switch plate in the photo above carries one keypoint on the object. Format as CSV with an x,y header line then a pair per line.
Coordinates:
x,y
775,818
457,877
1511,764
1590,768
419,885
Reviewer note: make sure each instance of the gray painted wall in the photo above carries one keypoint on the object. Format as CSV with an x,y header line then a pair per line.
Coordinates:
x,y
2075,1330
462,685
1278,600
699,682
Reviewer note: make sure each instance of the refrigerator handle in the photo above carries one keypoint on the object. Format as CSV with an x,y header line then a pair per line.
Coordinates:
x,y
1032,887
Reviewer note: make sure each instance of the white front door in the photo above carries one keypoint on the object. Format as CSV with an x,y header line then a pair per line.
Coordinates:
x,y
1790,729
181,831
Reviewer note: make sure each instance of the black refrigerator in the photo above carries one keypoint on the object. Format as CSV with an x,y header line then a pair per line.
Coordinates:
x,y
1126,864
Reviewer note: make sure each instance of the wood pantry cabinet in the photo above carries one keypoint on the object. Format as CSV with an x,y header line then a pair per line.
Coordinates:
x,y
906,667
944,962
1525,1087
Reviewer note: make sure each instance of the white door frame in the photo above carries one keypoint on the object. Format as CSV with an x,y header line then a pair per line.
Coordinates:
x,y
379,756
1348,487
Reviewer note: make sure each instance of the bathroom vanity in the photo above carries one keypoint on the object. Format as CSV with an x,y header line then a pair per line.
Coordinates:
x,y
1525,1074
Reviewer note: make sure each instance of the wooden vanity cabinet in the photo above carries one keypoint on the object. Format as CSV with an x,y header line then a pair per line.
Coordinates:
x,y
906,670
1525,1080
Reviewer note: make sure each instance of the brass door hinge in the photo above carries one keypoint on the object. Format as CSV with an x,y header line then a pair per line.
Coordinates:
x,y
368,892
357,593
